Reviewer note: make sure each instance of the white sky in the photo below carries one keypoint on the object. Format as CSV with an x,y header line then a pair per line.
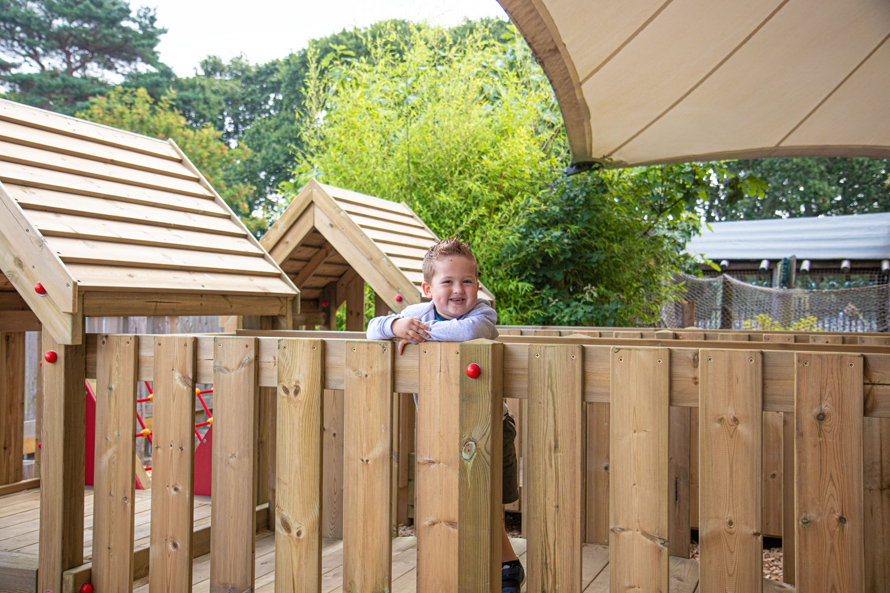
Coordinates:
x,y
267,29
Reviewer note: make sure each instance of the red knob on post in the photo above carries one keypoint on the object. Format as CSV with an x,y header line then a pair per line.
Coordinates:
x,y
324,303
398,298
86,588
38,288
40,445
51,356
473,370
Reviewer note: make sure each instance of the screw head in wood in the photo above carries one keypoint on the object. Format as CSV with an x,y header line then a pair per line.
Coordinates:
x,y
473,370
51,356
38,288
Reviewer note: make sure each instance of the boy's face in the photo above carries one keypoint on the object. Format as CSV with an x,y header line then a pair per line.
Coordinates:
x,y
454,287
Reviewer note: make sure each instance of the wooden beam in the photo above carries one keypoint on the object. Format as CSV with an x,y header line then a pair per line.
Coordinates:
x,y
111,304
367,467
114,514
232,547
19,321
292,238
19,486
12,406
62,471
287,219
312,265
480,486
173,464
638,505
298,510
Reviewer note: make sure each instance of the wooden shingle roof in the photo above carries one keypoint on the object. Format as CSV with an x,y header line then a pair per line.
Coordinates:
x,y
115,223
328,232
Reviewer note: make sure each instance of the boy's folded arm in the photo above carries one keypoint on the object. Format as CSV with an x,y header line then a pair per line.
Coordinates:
x,y
380,328
471,327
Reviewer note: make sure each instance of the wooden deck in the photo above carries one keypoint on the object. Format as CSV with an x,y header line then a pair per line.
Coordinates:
x,y
19,538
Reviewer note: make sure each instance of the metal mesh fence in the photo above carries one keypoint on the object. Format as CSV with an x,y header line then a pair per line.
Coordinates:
x,y
724,302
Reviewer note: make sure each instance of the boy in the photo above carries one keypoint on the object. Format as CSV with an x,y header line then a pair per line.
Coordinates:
x,y
456,315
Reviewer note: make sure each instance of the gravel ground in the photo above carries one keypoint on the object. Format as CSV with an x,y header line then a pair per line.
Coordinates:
x,y
772,557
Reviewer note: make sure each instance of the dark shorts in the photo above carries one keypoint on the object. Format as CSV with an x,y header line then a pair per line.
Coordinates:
x,y
511,464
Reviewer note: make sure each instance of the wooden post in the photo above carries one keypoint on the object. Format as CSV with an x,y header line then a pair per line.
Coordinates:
x,y
298,525
877,504
638,505
12,405
678,480
235,393
554,467
437,461
730,424
726,304
598,473
828,410
173,464
38,409
480,490
406,445
62,472
688,319
332,508
114,478
380,307
367,467
772,468
789,524
355,305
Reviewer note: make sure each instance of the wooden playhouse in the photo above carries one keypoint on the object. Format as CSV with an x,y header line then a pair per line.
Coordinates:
x,y
96,221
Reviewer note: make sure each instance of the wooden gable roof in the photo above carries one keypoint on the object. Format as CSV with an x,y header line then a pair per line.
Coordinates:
x,y
115,223
328,233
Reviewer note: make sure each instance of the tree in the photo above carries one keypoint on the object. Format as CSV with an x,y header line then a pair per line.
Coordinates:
x,y
58,53
798,187
136,111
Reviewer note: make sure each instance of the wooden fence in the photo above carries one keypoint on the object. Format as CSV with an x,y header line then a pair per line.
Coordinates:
x,y
833,399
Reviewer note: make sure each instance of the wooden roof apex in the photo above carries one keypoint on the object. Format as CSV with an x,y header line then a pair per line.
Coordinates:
x,y
383,241
110,222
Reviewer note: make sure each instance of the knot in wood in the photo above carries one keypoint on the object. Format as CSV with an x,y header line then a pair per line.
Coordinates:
x,y
820,416
469,450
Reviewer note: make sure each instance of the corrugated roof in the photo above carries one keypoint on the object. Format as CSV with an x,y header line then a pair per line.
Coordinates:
x,y
860,236
116,223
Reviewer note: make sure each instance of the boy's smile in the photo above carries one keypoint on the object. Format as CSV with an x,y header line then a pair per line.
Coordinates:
x,y
454,288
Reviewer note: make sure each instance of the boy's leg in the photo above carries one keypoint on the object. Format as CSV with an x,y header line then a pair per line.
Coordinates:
x,y
507,552
512,573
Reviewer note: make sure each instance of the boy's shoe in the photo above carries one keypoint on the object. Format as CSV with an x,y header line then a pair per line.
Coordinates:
x,y
512,576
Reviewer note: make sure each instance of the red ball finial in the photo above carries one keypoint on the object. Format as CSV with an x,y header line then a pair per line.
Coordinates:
x,y
40,445
473,370
38,288
324,303
86,588
51,356
398,298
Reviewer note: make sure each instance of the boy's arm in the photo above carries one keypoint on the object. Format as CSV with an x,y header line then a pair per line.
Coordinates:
x,y
479,323
380,328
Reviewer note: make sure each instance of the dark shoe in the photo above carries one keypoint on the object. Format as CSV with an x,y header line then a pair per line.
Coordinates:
x,y
512,576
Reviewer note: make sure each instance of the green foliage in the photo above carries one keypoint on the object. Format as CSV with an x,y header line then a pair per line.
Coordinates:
x,y
462,133
763,322
63,51
136,111
797,187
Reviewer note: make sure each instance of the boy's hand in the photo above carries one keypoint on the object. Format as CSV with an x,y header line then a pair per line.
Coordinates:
x,y
410,328
401,345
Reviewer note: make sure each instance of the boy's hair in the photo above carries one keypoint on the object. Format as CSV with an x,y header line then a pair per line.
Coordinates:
x,y
444,248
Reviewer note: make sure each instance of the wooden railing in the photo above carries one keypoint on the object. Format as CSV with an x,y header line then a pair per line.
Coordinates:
x,y
832,396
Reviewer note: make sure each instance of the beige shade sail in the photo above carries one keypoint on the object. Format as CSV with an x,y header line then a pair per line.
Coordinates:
x,y
661,81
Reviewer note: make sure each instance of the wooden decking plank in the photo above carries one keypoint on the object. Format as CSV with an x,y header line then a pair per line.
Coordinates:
x,y
829,473
638,507
173,465
367,465
299,416
730,458
113,514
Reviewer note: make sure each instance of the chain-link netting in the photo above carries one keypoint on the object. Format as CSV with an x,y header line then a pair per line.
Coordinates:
x,y
727,303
